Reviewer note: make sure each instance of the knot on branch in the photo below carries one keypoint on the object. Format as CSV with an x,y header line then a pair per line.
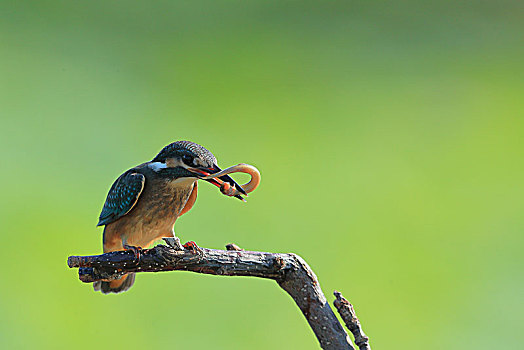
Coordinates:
x,y
233,246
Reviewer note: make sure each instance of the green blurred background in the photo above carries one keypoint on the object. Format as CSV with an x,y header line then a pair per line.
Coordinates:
x,y
389,136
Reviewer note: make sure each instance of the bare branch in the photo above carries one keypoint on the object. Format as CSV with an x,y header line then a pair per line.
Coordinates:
x,y
289,270
346,311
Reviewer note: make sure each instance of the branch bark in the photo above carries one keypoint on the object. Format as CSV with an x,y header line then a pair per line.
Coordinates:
x,y
290,271
347,312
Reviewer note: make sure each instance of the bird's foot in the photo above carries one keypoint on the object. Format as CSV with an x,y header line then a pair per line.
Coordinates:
x,y
135,250
174,242
192,246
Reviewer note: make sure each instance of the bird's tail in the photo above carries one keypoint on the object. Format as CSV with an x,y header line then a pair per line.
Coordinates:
x,y
116,286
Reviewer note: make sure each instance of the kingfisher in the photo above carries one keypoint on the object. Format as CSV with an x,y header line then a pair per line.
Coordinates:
x,y
145,201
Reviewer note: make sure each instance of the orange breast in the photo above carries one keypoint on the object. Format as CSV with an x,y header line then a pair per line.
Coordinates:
x,y
152,218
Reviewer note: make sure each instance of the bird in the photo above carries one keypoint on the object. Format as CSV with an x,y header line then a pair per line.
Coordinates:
x,y
145,201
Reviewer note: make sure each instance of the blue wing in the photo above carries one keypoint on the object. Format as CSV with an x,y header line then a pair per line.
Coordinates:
x,y
122,197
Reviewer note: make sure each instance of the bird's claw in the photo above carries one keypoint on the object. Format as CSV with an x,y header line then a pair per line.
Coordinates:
x,y
192,246
174,242
136,250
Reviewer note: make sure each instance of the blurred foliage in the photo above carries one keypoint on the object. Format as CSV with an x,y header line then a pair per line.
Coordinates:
x,y
389,136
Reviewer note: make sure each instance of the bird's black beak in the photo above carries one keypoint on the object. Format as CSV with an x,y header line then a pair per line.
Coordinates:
x,y
202,172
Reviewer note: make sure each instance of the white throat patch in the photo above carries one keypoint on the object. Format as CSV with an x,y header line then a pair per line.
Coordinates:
x,y
157,166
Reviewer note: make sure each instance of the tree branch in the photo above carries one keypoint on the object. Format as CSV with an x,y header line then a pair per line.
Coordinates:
x,y
289,270
346,311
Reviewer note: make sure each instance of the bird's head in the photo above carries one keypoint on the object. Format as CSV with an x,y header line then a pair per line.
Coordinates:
x,y
186,159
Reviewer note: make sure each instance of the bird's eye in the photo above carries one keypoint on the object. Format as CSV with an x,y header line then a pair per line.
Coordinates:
x,y
186,158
